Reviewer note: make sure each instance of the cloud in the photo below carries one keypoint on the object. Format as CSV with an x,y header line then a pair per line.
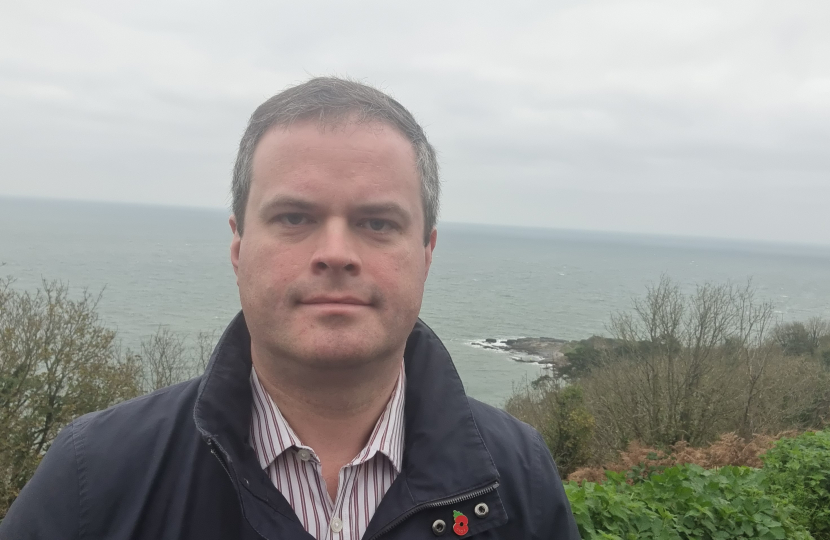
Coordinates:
x,y
704,118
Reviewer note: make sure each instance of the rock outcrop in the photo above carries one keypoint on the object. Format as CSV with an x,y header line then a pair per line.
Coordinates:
x,y
541,350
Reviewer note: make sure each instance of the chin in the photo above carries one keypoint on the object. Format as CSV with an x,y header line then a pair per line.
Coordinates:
x,y
343,348
339,358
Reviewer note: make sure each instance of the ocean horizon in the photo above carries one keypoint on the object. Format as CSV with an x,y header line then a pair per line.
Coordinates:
x,y
169,266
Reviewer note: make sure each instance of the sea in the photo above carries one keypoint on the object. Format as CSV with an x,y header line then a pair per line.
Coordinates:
x,y
157,266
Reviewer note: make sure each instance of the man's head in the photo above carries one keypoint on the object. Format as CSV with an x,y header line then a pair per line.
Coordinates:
x,y
335,201
330,101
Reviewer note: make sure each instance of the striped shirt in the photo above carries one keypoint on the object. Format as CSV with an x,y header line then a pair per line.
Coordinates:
x,y
296,472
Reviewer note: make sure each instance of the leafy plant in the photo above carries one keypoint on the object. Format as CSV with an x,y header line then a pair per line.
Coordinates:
x,y
684,502
798,471
610,511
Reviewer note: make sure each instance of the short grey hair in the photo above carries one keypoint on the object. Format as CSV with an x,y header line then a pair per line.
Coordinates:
x,y
331,100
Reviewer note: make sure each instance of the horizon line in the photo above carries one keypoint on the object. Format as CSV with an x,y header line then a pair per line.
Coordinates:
x,y
652,235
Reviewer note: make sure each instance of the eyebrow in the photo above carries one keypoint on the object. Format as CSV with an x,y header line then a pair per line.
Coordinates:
x,y
286,203
382,208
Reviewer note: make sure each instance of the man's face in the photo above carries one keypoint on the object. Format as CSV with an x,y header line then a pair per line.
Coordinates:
x,y
332,263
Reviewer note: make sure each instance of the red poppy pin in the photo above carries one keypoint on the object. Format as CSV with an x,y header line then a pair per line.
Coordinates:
x,y
460,528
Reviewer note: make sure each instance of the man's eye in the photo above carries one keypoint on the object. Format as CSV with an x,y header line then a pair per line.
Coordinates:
x,y
293,219
378,225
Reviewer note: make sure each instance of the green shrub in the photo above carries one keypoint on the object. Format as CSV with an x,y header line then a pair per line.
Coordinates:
x,y
611,511
57,362
558,412
798,471
684,502
585,357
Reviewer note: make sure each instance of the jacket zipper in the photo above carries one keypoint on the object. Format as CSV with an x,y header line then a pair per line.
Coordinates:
x,y
213,445
435,504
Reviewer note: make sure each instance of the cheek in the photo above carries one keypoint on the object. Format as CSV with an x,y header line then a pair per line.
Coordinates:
x,y
401,276
263,268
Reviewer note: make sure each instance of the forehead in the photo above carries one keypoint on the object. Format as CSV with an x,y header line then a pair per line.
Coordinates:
x,y
310,155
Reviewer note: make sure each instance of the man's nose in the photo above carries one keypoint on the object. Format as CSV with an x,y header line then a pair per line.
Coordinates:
x,y
336,249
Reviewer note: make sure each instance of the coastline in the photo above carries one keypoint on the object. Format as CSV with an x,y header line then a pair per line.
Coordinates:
x,y
546,351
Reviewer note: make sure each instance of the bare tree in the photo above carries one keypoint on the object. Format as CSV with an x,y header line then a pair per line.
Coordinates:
x,y
163,357
692,366
817,331
673,369
205,343
167,359
755,350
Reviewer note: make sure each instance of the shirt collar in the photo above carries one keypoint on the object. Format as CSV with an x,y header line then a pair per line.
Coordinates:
x,y
271,434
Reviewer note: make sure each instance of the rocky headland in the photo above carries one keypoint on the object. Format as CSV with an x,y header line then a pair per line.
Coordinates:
x,y
540,350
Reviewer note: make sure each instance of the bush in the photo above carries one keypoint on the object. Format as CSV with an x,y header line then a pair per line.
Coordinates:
x,y
794,339
57,362
683,502
729,449
798,338
558,413
609,511
798,471
689,367
588,354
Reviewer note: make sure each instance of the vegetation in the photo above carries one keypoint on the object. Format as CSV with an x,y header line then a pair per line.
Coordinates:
x,y
685,368
788,498
58,361
798,472
799,339
728,450
668,428
683,502
558,412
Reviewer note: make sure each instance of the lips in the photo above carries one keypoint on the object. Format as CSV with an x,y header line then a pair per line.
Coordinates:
x,y
344,300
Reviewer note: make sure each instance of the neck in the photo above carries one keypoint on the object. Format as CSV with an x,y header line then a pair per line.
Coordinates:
x,y
331,410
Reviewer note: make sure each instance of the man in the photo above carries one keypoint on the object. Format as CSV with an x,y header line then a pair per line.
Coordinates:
x,y
328,410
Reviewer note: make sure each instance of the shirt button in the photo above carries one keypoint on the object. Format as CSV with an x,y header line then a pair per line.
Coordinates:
x,y
336,525
304,454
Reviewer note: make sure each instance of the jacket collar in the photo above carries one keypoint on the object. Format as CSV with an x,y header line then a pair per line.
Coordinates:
x,y
444,454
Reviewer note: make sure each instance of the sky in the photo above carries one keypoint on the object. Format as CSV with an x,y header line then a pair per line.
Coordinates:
x,y
707,119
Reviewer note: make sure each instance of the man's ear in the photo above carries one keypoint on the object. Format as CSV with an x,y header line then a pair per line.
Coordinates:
x,y
235,244
428,249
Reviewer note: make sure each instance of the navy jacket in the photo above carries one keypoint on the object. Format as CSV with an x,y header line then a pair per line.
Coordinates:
x,y
178,464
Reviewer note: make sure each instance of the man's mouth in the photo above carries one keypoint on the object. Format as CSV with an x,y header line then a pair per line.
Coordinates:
x,y
342,300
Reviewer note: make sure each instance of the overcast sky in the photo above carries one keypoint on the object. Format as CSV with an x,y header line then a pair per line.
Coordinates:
x,y
691,118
